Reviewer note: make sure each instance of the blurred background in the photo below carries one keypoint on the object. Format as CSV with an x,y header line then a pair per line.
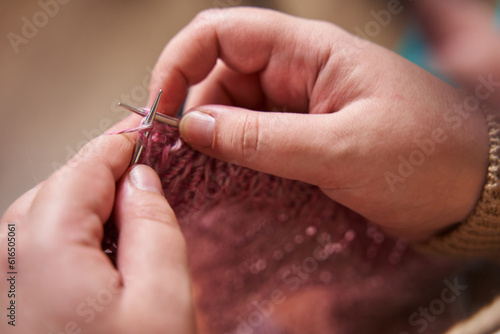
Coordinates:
x,y
64,65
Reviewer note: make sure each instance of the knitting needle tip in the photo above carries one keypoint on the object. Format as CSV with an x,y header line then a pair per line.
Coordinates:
x,y
149,120
160,118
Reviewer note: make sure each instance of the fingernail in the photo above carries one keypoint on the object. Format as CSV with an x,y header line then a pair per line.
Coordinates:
x,y
145,178
198,128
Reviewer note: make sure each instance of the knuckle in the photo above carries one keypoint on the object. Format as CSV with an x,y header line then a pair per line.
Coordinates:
x,y
247,140
155,212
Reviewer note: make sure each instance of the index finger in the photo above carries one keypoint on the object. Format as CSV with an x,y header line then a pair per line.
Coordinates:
x,y
73,203
244,38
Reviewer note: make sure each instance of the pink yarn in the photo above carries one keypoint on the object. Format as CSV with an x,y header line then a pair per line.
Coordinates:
x,y
270,255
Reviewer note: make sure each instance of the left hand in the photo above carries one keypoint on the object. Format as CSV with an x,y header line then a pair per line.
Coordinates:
x,y
65,282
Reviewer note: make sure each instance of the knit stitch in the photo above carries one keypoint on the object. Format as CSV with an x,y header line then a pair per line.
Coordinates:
x,y
270,255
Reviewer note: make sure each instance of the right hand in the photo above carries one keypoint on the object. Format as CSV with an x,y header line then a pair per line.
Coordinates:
x,y
358,111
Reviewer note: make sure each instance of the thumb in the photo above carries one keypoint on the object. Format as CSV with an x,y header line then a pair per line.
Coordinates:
x,y
152,249
296,146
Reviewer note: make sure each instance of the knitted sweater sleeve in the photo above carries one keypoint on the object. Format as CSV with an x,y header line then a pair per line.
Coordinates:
x,y
479,234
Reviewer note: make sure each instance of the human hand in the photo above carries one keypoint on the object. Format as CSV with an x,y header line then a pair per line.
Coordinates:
x,y
373,131
65,282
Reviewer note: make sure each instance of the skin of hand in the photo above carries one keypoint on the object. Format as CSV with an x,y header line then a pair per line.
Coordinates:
x,y
65,282
375,132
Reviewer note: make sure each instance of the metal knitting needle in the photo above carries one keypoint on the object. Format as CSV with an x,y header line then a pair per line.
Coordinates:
x,y
160,118
149,120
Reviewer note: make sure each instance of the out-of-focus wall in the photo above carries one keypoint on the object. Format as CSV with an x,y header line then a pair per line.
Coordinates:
x,y
69,64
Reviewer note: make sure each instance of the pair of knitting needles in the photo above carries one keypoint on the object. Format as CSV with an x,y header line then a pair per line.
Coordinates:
x,y
151,116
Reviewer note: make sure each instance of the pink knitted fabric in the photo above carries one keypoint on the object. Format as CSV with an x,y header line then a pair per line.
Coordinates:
x,y
270,255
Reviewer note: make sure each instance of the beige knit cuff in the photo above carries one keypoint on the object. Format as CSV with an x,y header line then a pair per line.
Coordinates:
x,y
479,234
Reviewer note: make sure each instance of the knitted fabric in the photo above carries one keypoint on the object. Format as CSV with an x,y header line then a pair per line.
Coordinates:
x,y
270,255
479,234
